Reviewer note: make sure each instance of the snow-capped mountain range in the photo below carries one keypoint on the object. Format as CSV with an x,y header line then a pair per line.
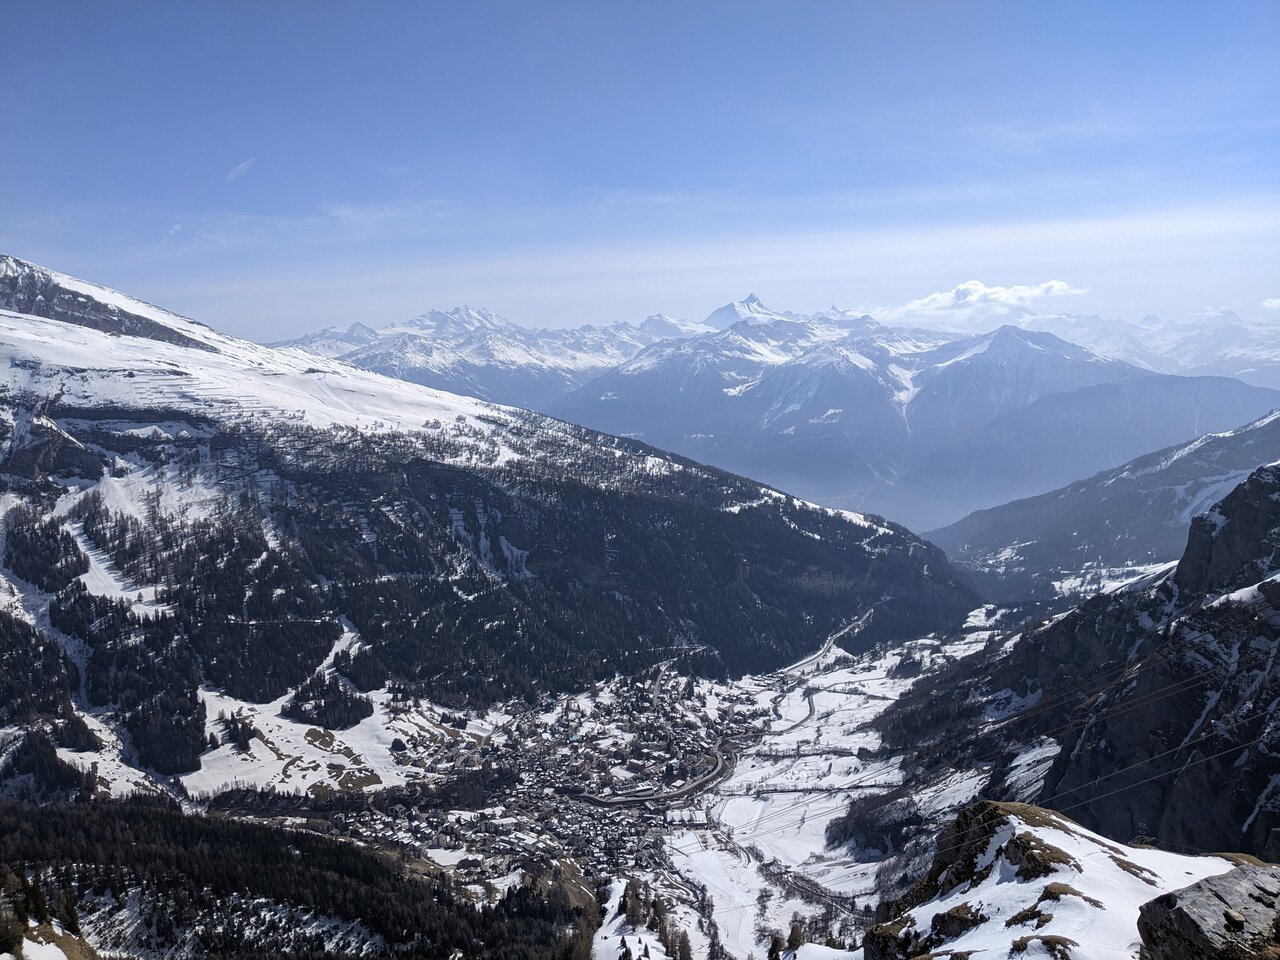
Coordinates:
x,y
480,354
423,619
919,424
916,424
1219,344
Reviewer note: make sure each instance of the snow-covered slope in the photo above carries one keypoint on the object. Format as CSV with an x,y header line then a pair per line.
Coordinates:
x,y
1013,880
1077,537
1222,344
158,360
1226,345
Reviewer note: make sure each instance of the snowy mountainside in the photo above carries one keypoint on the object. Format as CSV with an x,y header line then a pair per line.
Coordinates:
x,y
1136,515
914,424
203,527
1224,344
478,353
1016,880
1221,345
1117,339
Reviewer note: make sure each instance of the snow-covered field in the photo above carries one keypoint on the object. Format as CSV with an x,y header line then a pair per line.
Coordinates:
x,y
763,855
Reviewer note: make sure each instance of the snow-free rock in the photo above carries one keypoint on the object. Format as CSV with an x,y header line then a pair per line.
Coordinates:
x,y
1226,917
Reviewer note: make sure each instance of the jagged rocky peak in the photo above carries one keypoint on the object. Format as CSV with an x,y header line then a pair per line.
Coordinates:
x,y
750,308
1237,543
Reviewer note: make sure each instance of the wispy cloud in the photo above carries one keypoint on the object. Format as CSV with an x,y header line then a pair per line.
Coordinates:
x,y
374,216
1271,303
334,225
240,169
171,234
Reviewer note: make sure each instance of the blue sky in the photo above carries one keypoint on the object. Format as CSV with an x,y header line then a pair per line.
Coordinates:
x,y
272,167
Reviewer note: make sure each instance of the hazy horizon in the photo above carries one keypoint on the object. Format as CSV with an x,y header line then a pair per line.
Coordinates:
x,y
306,166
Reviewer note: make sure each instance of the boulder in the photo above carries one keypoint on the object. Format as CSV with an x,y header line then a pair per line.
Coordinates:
x,y
1231,916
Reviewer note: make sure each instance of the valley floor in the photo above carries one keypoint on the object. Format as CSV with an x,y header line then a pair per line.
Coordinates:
x,y
717,795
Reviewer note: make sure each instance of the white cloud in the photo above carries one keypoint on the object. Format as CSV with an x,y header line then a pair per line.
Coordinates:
x,y
975,300
240,169
1271,303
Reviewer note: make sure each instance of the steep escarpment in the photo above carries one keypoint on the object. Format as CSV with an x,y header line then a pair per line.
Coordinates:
x,y
1148,712
1237,543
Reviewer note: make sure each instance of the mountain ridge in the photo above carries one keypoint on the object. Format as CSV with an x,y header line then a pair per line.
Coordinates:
x,y
1133,515
172,506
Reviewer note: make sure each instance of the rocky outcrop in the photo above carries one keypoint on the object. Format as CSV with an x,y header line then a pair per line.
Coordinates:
x,y
1237,542
32,446
1011,879
1232,916
27,288
1177,743
1160,701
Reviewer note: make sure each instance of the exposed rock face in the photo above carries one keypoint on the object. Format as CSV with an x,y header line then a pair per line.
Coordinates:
x,y
1159,703
33,446
26,288
1238,541
1178,742
1228,917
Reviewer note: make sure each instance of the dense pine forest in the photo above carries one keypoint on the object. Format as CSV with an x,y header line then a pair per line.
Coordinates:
x,y
209,877
465,585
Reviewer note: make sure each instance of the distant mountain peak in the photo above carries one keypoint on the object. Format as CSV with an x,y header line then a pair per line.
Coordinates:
x,y
1010,337
662,326
752,308
361,332
1224,317
459,320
